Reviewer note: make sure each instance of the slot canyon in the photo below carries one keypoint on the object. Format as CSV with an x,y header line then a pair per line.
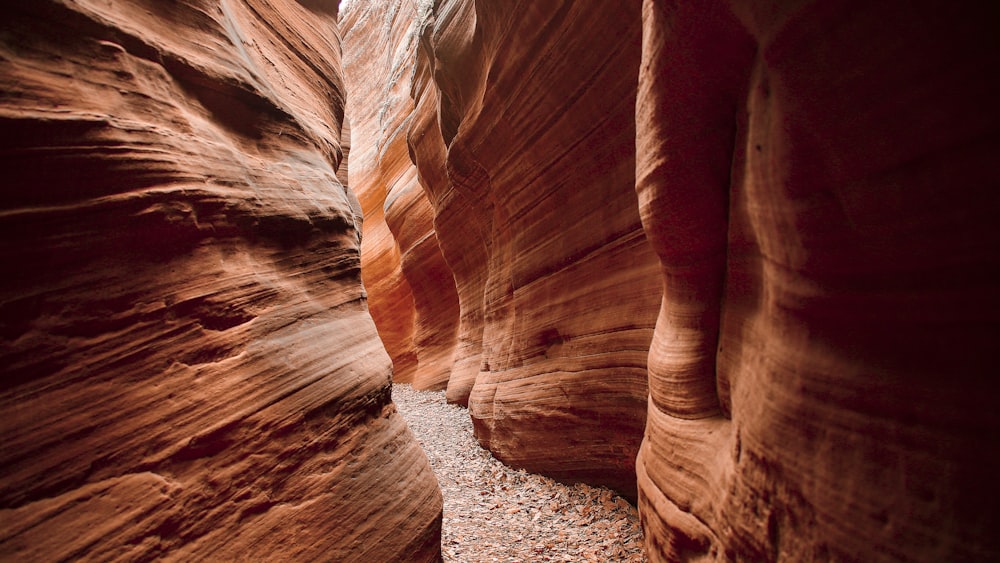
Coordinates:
x,y
737,260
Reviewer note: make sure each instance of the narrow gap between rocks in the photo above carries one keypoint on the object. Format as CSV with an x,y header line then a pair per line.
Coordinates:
x,y
493,513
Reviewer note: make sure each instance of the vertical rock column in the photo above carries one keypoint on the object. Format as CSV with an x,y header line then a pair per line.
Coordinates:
x,y
189,369
442,323
447,73
852,416
692,84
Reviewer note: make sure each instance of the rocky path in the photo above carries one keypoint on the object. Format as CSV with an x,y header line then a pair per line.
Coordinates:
x,y
493,513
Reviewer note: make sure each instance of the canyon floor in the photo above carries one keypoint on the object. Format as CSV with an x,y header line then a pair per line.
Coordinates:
x,y
493,513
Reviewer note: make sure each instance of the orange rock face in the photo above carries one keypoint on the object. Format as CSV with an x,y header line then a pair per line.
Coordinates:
x,y
537,219
819,183
412,291
411,219
439,314
374,36
374,62
189,369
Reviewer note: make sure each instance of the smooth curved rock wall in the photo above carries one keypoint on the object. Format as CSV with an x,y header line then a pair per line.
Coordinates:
x,y
380,44
377,41
537,219
445,32
189,369
435,325
816,183
818,180
439,310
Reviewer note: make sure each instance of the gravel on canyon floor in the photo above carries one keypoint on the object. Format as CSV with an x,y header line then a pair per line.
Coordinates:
x,y
493,513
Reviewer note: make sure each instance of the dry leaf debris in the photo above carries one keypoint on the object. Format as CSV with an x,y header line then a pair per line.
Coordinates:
x,y
493,513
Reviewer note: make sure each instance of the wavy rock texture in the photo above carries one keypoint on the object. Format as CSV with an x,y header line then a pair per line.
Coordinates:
x,y
380,40
462,241
443,321
525,145
819,181
435,325
189,368
373,35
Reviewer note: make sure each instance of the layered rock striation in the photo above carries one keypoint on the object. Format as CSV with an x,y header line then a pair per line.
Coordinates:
x,y
818,180
524,139
375,40
815,182
189,367
412,291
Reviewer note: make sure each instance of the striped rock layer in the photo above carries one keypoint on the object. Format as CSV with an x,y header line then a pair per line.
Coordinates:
x,y
189,368
800,196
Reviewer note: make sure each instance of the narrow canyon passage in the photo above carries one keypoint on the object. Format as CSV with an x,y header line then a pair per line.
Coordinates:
x,y
495,513
738,260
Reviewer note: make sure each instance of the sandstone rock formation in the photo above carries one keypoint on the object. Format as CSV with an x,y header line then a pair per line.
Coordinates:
x,y
189,370
411,290
390,298
523,135
427,150
816,180
819,182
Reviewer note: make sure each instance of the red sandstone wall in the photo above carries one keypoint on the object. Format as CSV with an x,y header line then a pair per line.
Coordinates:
x,y
439,312
816,181
461,241
819,182
402,249
537,219
377,42
189,370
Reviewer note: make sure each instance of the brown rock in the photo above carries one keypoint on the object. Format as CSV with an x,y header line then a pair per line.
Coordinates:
x,y
819,182
189,368
411,219
380,47
449,319
375,58
446,34
537,219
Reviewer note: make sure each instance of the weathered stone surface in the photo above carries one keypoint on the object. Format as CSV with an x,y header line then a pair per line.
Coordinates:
x,y
189,370
819,181
439,314
374,36
411,289
462,242
435,324
537,219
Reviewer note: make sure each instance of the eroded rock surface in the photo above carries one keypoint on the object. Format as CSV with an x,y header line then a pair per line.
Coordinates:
x,y
412,291
819,182
189,367
373,35
523,135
